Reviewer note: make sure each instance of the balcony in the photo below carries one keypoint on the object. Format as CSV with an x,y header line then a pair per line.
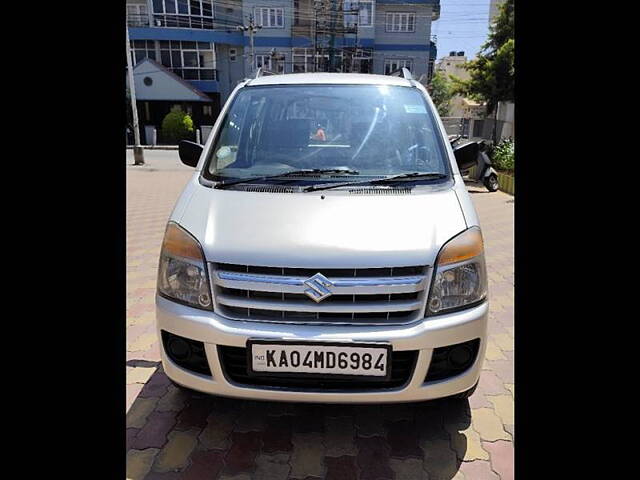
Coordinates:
x,y
196,73
136,20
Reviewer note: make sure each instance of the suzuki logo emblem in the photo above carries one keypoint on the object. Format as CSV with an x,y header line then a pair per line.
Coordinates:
x,y
318,287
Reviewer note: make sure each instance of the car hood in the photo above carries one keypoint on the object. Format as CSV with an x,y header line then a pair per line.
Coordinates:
x,y
330,229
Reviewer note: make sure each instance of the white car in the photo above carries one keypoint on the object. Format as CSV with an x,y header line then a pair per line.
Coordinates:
x,y
325,249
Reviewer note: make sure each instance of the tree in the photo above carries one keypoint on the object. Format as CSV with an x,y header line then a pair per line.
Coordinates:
x,y
177,125
441,92
492,72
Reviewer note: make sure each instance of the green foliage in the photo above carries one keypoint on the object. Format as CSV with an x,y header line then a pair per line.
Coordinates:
x,y
503,155
492,72
177,125
441,92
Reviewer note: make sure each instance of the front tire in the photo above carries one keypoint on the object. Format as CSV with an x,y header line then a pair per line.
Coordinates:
x,y
491,182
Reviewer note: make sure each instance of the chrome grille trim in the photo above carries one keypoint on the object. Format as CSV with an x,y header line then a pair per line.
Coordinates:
x,y
360,300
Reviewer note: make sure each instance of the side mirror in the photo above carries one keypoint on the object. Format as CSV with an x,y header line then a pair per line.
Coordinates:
x,y
189,152
466,155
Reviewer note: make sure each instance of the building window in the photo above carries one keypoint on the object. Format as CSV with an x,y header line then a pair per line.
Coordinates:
x,y
270,17
267,62
401,22
263,61
190,60
393,64
141,49
360,12
207,110
183,13
137,15
233,54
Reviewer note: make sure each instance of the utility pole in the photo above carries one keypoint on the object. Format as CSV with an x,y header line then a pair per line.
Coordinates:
x,y
138,155
251,28
332,28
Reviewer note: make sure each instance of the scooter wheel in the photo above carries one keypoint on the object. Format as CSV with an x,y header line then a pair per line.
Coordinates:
x,y
491,182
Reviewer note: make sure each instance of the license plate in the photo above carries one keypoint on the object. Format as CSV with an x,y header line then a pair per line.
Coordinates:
x,y
318,358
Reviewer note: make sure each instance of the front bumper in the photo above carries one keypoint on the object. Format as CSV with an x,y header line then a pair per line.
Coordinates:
x,y
424,336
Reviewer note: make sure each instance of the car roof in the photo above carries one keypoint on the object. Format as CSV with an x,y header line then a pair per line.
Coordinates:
x,y
330,79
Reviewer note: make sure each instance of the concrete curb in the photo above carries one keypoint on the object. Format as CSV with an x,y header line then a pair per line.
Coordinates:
x,y
155,147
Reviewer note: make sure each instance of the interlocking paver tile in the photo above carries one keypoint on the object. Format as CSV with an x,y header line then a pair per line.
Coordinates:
x,y
369,421
504,341
133,391
490,383
156,386
488,425
139,411
439,460
174,400
241,456
467,445
478,470
277,435
139,462
252,418
175,454
205,465
155,431
195,414
217,433
403,438
131,435
407,469
339,436
139,374
501,458
502,368
143,342
493,352
373,458
503,406
272,467
307,456
341,468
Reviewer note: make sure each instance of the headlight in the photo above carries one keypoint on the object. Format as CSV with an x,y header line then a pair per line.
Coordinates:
x,y
182,274
461,277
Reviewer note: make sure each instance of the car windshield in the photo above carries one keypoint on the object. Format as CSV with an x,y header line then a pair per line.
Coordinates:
x,y
375,130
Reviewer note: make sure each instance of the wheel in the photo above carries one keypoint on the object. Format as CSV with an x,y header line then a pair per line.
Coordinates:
x,y
491,182
465,394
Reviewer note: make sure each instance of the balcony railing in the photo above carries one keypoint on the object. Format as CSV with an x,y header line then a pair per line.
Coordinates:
x,y
137,20
196,73
182,21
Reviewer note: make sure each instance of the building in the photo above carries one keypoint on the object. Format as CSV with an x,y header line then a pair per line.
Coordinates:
x,y
204,43
452,64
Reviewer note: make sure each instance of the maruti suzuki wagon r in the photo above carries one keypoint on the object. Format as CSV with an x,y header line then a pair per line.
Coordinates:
x,y
325,249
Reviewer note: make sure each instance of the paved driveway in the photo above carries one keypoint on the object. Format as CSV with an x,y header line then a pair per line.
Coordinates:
x,y
173,435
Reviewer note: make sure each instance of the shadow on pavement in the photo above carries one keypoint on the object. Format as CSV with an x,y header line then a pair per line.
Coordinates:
x,y
373,437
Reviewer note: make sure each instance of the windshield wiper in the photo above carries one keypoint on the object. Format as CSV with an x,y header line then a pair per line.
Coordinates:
x,y
380,181
227,183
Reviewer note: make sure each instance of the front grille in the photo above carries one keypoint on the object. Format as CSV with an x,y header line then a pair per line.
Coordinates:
x,y
234,366
363,296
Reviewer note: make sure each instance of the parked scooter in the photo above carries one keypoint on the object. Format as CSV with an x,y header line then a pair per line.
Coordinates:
x,y
472,154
